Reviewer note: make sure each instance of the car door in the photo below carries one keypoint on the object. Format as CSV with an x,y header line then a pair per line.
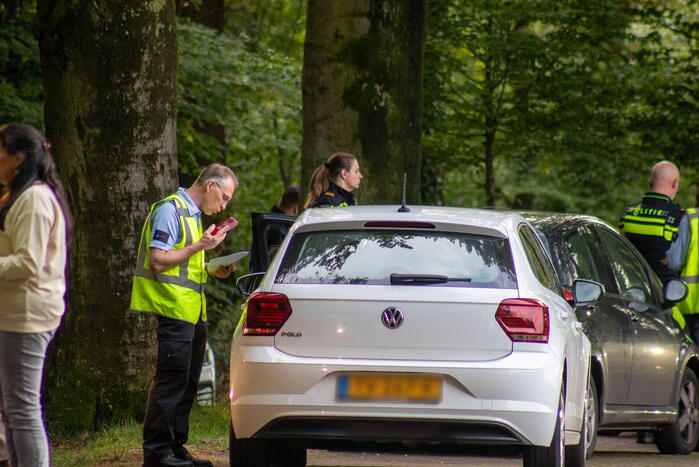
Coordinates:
x,y
577,353
656,338
268,232
608,323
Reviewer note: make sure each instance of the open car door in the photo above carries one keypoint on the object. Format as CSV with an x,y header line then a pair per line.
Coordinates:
x,y
268,232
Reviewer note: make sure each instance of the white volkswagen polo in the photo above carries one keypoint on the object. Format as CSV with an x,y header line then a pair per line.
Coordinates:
x,y
438,325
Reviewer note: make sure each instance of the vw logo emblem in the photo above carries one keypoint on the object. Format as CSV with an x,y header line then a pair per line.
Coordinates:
x,y
392,317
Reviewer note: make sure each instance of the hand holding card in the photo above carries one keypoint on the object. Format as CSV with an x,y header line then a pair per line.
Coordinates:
x,y
228,224
225,260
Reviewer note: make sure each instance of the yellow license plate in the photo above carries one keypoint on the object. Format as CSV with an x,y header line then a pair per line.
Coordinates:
x,y
389,387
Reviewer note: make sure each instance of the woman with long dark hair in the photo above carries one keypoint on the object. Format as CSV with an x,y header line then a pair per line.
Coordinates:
x,y
333,182
34,226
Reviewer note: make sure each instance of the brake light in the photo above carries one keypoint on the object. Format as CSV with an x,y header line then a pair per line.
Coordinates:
x,y
524,319
266,314
401,224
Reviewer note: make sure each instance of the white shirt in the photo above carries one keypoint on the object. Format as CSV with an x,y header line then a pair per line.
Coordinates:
x,y
32,262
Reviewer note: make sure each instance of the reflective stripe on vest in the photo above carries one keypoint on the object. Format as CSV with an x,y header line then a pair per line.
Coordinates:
x,y
179,291
690,270
634,222
654,227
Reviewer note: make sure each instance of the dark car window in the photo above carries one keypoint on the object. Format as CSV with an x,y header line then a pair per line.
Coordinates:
x,y
370,257
538,260
585,251
628,269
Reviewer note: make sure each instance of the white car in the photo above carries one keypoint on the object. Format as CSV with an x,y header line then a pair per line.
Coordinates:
x,y
438,325
206,392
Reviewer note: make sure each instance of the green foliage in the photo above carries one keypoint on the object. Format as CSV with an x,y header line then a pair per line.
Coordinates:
x,y
240,107
665,114
567,101
120,443
276,24
21,90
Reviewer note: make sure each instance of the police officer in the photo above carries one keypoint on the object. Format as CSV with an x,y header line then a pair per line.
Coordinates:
x,y
652,223
169,281
333,182
683,256
288,205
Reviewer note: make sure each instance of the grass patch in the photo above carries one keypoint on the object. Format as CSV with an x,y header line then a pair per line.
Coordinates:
x,y
120,444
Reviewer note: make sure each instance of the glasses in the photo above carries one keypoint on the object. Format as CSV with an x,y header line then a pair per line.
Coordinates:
x,y
225,197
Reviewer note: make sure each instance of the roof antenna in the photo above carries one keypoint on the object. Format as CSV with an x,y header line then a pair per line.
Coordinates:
x,y
404,208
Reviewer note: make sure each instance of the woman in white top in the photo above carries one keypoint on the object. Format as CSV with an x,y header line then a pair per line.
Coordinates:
x,y
34,225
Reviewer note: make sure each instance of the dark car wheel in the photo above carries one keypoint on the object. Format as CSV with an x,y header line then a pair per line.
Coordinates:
x,y
552,455
681,436
288,457
591,418
247,452
576,455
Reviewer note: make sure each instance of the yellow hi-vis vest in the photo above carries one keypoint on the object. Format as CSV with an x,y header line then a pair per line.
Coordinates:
x,y
690,270
178,292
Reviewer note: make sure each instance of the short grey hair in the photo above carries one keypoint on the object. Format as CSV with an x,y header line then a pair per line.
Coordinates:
x,y
217,173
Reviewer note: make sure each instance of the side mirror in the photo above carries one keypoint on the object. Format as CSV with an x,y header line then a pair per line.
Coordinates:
x,y
248,283
675,290
587,292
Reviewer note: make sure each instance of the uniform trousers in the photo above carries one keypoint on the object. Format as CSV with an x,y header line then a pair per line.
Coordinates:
x,y
692,321
181,348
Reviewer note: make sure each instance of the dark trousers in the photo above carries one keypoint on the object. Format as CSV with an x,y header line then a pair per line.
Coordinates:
x,y
692,321
181,347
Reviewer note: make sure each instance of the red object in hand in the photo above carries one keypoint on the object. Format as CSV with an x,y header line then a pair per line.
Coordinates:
x,y
229,224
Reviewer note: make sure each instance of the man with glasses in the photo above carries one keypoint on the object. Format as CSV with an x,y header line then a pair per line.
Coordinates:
x,y
169,281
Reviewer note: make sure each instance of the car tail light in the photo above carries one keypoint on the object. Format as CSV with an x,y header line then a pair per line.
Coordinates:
x,y
524,319
568,295
266,314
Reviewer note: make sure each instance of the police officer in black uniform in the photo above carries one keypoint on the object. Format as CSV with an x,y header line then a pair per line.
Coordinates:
x,y
652,223
333,181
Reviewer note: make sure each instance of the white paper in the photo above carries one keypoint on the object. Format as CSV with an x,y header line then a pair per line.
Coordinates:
x,y
227,260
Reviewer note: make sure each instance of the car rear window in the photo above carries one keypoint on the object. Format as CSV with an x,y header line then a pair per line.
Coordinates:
x,y
370,257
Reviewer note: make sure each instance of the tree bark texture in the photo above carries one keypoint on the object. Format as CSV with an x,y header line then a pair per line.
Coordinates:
x,y
362,91
109,78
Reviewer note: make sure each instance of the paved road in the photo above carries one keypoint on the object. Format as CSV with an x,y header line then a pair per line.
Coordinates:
x,y
617,451
614,451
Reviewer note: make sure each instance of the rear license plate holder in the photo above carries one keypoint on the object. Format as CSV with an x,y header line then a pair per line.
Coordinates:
x,y
389,387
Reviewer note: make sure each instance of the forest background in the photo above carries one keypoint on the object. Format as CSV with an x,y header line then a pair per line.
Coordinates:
x,y
524,104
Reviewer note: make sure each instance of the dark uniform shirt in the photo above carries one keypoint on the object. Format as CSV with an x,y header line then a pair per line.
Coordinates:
x,y
651,224
334,197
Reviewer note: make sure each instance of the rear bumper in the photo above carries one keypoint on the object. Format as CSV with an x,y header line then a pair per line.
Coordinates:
x,y
319,429
512,400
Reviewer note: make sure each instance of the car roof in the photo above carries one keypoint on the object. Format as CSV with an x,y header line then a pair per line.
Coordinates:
x,y
502,221
546,220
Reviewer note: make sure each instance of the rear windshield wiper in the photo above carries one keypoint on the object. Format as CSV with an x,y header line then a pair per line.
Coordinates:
x,y
424,279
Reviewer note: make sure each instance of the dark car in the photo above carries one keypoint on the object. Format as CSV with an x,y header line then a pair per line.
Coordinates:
x,y
644,364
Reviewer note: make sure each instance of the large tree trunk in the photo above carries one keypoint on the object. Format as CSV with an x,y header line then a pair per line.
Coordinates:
x,y
210,13
362,91
109,78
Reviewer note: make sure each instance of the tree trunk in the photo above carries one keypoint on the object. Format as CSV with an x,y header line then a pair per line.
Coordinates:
x,y
362,91
109,79
490,124
210,13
